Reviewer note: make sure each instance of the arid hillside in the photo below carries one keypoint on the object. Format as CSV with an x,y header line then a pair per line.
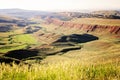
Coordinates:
x,y
89,25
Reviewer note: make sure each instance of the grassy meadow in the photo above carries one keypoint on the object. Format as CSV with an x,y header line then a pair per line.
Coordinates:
x,y
13,41
25,38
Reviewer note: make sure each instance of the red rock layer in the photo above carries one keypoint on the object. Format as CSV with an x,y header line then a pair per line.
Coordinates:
x,y
86,27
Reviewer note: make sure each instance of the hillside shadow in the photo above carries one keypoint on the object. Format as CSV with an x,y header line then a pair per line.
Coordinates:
x,y
8,60
70,42
63,51
21,54
18,56
77,38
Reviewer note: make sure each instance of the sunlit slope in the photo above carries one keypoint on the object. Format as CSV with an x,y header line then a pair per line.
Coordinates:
x,y
97,21
103,50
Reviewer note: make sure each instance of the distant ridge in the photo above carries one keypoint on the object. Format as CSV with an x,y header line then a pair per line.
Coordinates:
x,y
21,13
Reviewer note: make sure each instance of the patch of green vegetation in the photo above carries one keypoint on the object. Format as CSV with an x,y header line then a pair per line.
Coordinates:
x,y
5,49
24,38
16,41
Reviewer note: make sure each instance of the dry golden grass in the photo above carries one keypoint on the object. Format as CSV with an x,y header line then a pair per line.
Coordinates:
x,y
5,34
64,70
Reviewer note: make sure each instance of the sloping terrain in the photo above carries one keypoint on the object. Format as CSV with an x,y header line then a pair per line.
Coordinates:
x,y
8,23
87,27
62,33
105,49
8,19
60,46
15,34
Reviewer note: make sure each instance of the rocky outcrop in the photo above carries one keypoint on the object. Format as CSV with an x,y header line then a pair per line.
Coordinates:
x,y
86,27
106,14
